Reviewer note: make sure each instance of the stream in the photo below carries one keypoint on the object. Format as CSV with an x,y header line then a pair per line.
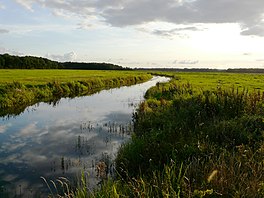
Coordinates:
x,y
64,139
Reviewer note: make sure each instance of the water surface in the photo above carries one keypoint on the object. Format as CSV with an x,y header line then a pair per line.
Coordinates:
x,y
62,139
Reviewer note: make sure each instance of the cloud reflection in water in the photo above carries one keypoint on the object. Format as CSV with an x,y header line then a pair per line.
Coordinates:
x,y
72,136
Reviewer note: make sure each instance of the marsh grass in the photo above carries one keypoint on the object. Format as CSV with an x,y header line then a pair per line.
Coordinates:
x,y
63,188
217,134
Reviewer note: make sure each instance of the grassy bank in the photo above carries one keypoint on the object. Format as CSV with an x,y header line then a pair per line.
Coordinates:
x,y
215,80
20,88
192,141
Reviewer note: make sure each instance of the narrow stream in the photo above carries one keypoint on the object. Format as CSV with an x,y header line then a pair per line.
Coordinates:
x,y
63,139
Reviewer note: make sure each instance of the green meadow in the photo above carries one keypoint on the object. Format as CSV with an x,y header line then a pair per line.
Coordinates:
x,y
40,77
214,80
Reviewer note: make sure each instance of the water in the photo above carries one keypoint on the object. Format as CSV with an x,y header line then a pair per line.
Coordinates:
x,y
60,140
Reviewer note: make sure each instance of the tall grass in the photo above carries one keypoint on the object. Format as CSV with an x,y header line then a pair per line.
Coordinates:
x,y
217,132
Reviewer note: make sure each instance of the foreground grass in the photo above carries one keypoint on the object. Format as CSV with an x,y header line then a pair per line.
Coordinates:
x,y
193,142
21,88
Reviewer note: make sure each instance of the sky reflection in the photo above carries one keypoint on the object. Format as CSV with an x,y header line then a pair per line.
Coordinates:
x,y
53,141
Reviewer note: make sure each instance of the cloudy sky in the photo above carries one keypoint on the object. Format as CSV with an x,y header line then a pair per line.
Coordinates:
x,y
137,33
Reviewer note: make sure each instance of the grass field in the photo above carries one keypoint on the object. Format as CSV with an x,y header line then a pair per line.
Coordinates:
x,y
37,77
210,80
200,80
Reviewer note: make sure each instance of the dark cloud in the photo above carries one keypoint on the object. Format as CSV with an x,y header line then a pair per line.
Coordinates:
x,y
247,13
119,13
175,31
257,30
3,31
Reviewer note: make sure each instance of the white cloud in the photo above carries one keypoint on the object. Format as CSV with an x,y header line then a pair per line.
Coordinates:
x,y
26,4
2,129
10,51
71,56
29,130
120,13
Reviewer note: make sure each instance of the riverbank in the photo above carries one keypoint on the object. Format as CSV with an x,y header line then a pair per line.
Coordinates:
x,y
191,142
21,88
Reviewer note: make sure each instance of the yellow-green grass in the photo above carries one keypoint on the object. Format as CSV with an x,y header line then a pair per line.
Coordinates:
x,y
38,77
212,80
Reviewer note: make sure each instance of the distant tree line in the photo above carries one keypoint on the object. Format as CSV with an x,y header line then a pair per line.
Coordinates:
x,y
181,69
238,70
92,66
249,70
30,62
26,62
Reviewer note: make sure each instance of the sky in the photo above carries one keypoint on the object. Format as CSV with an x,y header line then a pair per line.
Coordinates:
x,y
137,33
